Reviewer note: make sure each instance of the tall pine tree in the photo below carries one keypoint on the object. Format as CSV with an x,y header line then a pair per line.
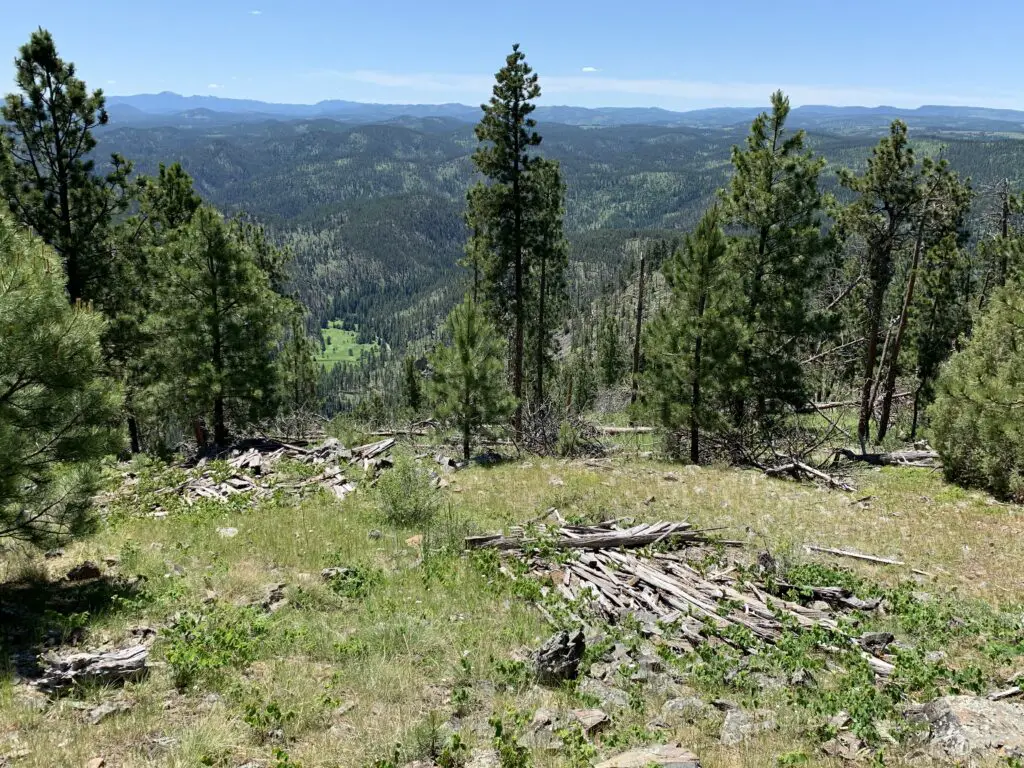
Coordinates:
x,y
694,341
781,254
47,173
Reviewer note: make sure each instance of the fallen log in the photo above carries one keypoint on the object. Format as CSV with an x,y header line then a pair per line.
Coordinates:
x,y
624,430
640,536
915,458
102,668
854,555
795,468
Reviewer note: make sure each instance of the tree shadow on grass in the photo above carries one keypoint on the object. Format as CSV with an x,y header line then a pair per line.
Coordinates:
x,y
38,614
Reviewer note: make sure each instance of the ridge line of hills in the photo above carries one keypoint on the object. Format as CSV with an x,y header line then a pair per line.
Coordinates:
x,y
168,107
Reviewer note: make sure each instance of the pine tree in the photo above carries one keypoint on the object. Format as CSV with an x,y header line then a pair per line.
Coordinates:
x,y
468,386
412,390
781,255
941,316
548,260
611,359
977,421
56,409
298,371
498,211
46,171
695,340
888,193
218,322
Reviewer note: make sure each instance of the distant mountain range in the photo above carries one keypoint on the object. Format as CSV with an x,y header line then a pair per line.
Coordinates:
x,y
173,109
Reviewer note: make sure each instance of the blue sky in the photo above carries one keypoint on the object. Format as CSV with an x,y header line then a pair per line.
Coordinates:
x,y
677,55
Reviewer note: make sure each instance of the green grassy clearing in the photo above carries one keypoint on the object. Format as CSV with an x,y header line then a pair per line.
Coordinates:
x,y
418,641
341,346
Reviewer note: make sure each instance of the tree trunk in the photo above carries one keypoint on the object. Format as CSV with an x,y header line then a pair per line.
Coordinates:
x,y
870,360
917,405
894,355
639,328
695,397
220,429
133,434
465,442
541,331
517,244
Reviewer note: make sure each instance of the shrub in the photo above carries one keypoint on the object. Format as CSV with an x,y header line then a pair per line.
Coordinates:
x,y
405,494
200,646
978,416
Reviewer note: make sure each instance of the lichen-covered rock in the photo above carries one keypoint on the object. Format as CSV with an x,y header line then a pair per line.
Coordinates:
x,y
971,726
663,755
559,658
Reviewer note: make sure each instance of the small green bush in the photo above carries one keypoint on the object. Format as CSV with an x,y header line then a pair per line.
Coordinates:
x,y
406,495
978,416
200,646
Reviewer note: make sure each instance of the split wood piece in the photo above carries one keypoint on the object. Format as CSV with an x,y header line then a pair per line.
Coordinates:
x,y
624,430
854,555
606,540
102,668
795,467
1007,693
372,450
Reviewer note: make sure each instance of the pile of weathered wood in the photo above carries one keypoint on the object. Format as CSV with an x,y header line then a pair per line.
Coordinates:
x,y
616,582
254,463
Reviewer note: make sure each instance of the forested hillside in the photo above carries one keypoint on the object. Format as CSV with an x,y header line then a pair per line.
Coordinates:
x,y
374,212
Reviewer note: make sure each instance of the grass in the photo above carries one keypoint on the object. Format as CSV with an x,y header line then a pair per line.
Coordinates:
x,y
341,346
412,644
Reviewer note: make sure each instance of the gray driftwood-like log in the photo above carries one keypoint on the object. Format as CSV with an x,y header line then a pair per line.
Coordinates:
x,y
915,458
582,538
100,668
797,469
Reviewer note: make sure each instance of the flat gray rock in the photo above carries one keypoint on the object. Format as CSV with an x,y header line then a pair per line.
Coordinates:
x,y
971,726
663,755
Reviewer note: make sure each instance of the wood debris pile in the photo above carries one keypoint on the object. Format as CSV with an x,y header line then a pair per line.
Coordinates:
x,y
253,464
689,607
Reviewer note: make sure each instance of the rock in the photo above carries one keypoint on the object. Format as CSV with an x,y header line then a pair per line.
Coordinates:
x,y
374,535
820,605
609,697
971,726
839,720
802,679
846,746
591,720
483,758
53,553
83,571
556,481
96,762
740,725
684,708
601,671
876,642
935,657
670,477
274,599
330,574
98,714
111,562
559,658
662,755
227,533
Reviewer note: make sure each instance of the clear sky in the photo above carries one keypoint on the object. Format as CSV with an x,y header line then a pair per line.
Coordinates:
x,y
677,54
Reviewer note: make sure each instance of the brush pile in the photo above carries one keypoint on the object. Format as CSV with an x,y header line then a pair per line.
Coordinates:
x,y
684,604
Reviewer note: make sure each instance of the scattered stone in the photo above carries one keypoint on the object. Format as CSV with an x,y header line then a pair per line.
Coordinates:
x,y
876,642
83,571
111,562
935,657
374,535
607,696
820,605
839,720
559,658
98,714
344,708
684,708
972,726
227,533
916,714
740,725
330,574
662,755
210,597
96,762
671,477
53,554
274,599
802,678
556,481
600,670
591,720
846,746
483,758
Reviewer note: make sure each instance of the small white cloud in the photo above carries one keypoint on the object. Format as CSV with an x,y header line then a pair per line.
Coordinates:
x,y
111,82
214,86
255,13
590,69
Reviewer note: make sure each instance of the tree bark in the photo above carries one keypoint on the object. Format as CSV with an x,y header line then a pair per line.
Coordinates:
x,y
870,359
637,331
517,244
133,434
541,331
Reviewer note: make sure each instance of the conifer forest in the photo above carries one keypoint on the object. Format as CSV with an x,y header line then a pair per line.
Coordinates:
x,y
507,435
